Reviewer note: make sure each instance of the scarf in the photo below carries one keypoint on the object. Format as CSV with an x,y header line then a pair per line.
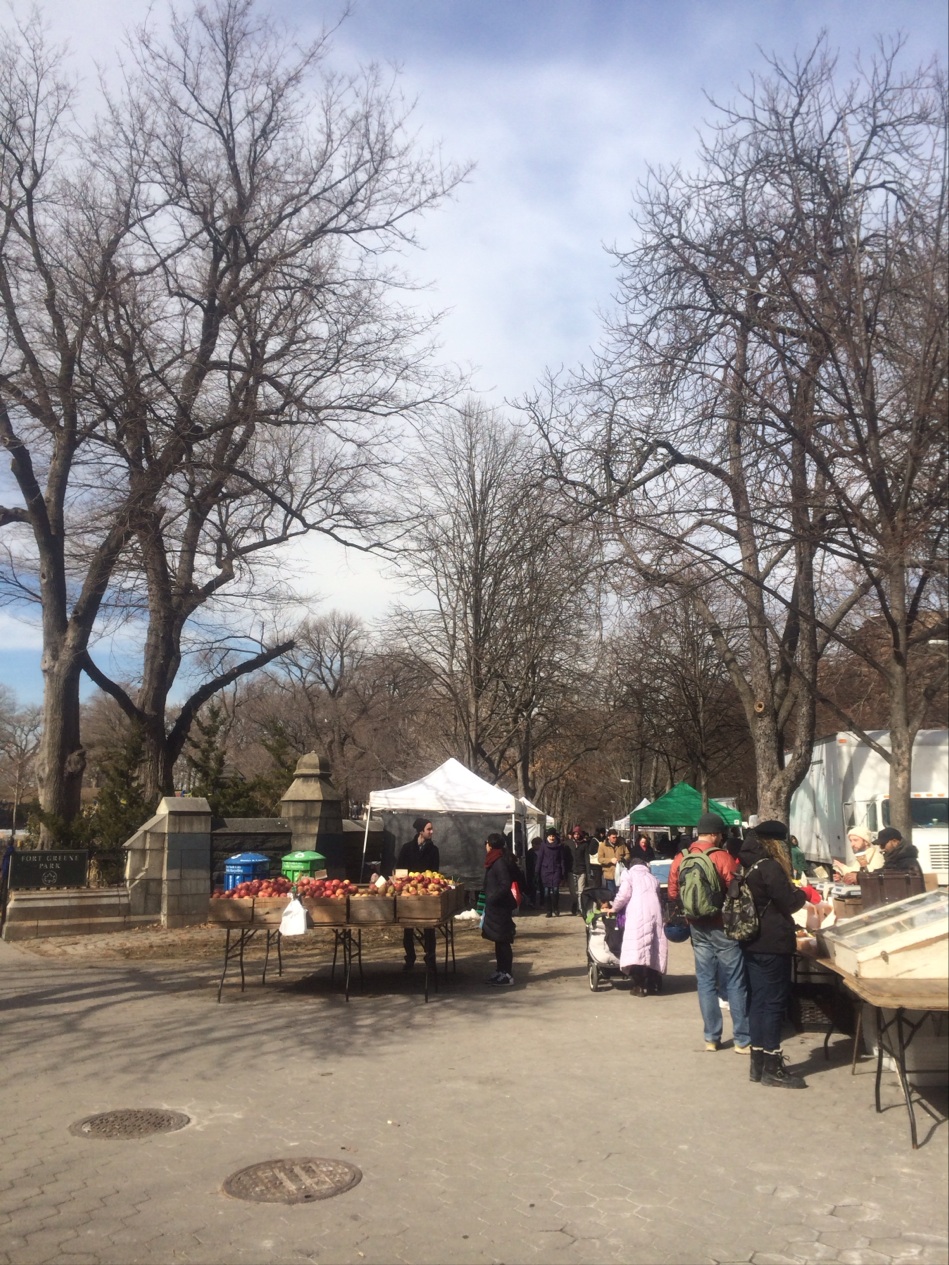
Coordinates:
x,y
492,856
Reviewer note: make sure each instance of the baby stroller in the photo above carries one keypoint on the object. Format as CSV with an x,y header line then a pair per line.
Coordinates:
x,y
604,938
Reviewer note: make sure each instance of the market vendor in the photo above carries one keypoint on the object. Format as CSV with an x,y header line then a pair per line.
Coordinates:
x,y
417,855
866,854
898,853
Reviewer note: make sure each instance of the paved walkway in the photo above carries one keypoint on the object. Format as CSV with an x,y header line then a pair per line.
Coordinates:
x,y
542,1123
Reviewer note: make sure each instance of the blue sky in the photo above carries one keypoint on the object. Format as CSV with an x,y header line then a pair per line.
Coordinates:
x,y
561,104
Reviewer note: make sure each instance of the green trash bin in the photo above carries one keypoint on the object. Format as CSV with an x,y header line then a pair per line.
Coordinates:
x,y
296,865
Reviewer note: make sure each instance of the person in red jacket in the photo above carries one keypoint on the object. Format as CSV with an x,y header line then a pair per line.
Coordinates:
x,y
716,957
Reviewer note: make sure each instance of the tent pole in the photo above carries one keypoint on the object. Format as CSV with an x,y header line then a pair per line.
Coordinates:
x,y
365,841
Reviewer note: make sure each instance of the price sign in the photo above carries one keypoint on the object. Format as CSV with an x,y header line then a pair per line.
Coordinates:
x,y
48,869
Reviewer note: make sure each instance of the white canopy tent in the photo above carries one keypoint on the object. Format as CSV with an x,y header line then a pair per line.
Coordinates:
x,y
452,789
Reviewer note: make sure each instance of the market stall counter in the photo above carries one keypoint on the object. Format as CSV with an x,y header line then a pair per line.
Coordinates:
x,y
344,908
893,958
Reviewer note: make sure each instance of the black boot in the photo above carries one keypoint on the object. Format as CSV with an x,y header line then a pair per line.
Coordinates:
x,y
774,1072
757,1064
550,905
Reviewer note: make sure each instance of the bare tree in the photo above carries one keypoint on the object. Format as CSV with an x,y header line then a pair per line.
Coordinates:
x,y
497,639
20,729
695,440
202,350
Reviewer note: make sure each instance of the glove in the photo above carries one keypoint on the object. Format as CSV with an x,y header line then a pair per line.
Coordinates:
x,y
812,894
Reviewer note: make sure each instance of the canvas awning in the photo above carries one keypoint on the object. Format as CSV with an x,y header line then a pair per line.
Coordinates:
x,y
682,806
465,808
451,788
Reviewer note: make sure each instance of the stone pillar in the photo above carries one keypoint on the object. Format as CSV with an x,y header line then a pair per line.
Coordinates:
x,y
168,869
312,809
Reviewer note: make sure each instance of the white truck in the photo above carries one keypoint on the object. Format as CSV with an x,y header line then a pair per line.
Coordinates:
x,y
848,784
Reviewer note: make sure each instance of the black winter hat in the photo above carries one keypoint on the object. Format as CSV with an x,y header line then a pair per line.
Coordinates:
x,y
885,836
710,824
419,824
771,830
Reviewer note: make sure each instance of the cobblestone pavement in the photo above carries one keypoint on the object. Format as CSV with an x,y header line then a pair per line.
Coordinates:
x,y
542,1123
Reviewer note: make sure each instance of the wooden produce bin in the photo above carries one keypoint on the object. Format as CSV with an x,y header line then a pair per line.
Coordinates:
x,y
371,910
227,912
326,912
268,910
429,908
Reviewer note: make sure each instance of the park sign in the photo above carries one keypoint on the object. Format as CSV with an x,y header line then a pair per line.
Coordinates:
x,y
30,870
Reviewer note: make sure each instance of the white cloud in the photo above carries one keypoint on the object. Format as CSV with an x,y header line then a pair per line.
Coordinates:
x,y
18,634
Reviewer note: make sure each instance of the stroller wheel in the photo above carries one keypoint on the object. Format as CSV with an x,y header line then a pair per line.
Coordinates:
x,y
594,977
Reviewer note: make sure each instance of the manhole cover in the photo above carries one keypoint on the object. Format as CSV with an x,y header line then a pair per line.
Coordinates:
x,y
133,1122
292,1181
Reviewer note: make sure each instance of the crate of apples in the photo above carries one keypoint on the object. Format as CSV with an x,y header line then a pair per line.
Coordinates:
x,y
260,900
424,897
326,899
373,902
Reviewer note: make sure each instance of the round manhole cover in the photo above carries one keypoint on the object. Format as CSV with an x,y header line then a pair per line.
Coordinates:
x,y
292,1181
132,1122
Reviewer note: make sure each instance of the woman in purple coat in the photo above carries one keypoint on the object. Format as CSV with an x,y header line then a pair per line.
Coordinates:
x,y
553,861
645,952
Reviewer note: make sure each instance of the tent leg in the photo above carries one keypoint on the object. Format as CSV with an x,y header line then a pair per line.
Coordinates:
x,y
365,842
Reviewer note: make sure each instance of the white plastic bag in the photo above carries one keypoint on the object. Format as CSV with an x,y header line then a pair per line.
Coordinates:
x,y
293,922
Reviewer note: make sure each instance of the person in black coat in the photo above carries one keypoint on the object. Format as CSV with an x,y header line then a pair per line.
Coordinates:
x,y
416,856
553,865
643,848
899,856
768,956
497,924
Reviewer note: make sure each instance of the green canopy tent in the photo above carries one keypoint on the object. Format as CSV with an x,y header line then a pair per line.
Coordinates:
x,y
682,806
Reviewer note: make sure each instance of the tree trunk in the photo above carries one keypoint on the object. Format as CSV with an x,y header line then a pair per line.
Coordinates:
x,y
61,759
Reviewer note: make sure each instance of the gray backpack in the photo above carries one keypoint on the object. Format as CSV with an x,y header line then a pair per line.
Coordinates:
x,y
701,890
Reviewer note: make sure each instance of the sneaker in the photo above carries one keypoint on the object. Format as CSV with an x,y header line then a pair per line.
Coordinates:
x,y
724,1004
743,1049
409,966
494,978
711,1046
502,981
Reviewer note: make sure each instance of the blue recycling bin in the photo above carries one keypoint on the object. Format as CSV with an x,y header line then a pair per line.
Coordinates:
x,y
243,867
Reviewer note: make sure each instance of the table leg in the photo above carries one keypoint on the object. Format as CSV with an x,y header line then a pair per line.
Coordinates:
x,y
857,1038
230,950
901,1044
880,1029
273,937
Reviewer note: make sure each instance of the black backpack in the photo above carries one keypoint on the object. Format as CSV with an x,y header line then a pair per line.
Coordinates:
x,y
740,919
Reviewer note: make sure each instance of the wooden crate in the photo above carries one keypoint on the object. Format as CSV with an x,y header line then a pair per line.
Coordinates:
x,y
268,910
371,909
325,912
424,908
459,899
228,912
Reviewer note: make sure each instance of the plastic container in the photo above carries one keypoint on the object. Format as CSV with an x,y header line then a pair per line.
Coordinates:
x,y
243,867
299,864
